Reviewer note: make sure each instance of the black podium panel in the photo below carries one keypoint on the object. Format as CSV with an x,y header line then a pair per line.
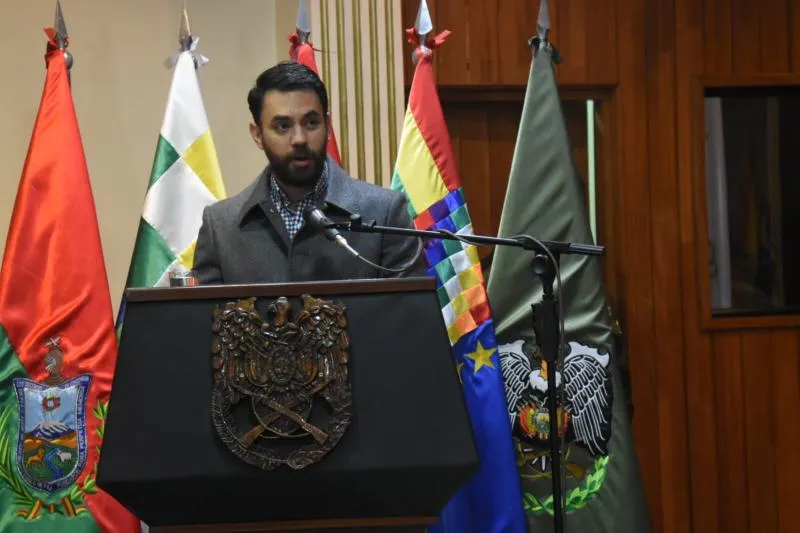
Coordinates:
x,y
407,450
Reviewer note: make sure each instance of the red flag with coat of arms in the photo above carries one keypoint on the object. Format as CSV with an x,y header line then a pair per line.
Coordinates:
x,y
58,348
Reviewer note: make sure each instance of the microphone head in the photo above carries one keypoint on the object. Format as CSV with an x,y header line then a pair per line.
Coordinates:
x,y
315,217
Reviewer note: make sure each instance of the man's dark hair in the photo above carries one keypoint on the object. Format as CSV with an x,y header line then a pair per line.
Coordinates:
x,y
285,76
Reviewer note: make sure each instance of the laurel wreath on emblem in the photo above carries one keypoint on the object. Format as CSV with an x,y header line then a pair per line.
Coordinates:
x,y
584,416
577,498
31,507
284,369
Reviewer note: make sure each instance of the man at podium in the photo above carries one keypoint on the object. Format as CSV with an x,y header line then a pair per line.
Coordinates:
x,y
263,234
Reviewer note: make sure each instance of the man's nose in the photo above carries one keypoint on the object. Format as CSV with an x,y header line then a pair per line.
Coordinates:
x,y
299,136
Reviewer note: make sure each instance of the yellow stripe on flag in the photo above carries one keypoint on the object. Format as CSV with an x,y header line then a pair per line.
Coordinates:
x,y
417,169
201,156
186,257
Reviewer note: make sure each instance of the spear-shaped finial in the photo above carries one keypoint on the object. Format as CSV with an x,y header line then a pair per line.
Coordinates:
x,y
185,31
422,26
303,23
541,40
62,37
543,24
187,42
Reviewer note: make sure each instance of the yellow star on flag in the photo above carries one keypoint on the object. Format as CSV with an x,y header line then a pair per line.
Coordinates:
x,y
482,357
459,366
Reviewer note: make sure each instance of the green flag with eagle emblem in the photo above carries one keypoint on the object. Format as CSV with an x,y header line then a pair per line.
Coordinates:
x,y
544,199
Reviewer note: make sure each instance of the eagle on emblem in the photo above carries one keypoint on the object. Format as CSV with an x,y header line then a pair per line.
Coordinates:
x,y
584,417
282,366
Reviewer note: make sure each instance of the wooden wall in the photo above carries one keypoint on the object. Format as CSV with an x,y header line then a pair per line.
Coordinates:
x,y
716,408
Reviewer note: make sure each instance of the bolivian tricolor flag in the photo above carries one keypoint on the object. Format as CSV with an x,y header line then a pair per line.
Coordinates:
x,y
426,172
57,342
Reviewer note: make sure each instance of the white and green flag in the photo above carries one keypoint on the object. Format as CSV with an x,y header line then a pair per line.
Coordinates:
x,y
184,180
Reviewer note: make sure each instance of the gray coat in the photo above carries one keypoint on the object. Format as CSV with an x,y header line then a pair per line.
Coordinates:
x,y
243,238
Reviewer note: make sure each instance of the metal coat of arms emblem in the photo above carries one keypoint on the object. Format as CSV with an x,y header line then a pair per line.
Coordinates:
x,y
291,373
51,449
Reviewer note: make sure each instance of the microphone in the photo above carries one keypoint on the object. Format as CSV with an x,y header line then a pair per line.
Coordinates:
x,y
315,218
318,220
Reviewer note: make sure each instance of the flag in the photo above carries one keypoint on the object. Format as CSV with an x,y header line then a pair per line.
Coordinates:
x,y
302,52
57,345
425,171
544,199
185,178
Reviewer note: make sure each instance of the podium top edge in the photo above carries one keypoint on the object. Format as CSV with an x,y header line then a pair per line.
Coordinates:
x,y
315,288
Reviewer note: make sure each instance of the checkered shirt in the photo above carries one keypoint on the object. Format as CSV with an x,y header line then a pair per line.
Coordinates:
x,y
293,219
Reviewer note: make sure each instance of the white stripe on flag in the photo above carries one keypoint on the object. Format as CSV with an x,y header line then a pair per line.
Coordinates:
x,y
174,205
185,117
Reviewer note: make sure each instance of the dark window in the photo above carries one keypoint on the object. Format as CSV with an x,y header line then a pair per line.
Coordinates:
x,y
752,153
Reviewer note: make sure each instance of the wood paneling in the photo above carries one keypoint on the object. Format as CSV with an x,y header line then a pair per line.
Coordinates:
x,y
716,422
635,245
691,23
489,40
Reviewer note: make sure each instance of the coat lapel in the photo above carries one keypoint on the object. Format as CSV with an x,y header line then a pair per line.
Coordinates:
x,y
259,206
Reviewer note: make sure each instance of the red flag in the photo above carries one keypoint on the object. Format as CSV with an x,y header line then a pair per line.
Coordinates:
x,y
303,53
58,349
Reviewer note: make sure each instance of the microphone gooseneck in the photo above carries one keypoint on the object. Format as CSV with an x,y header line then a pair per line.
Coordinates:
x,y
315,218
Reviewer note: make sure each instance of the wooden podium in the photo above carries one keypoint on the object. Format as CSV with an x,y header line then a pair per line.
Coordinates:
x,y
407,450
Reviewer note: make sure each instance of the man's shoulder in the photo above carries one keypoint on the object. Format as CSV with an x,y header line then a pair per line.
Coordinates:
x,y
231,208
372,191
359,191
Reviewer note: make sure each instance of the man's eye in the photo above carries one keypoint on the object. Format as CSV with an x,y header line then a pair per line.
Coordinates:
x,y
282,127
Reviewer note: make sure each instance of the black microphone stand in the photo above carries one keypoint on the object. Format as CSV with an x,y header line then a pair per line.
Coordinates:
x,y
545,314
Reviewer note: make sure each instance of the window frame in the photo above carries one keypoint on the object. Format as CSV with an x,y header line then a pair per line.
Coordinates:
x,y
745,319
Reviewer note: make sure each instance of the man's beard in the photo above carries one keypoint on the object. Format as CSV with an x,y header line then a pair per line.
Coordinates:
x,y
298,176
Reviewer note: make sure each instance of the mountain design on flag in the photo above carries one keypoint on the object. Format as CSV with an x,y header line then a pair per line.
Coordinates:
x,y
51,450
50,430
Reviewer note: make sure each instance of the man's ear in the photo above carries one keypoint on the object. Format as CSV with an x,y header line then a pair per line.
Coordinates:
x,y
329,123
255,133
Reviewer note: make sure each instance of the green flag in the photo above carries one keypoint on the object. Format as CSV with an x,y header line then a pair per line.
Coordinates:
x,y
604,492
